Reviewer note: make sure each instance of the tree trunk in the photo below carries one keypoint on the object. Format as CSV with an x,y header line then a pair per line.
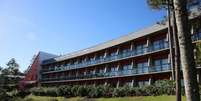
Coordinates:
x,y
176,56
170,36
186,51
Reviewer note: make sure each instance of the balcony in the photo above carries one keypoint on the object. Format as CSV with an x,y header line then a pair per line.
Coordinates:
x,y
119,56
196,37
120,73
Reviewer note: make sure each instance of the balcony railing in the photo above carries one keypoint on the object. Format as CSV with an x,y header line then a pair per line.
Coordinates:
x,y
196,37
109,58
129,72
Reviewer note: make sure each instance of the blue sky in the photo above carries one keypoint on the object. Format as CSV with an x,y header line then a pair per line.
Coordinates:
x,y
63,26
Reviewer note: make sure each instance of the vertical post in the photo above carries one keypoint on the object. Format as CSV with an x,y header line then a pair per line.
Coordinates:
x,y
148,44
118,70
132,46
133,82
105,83
105,70
149,64
105,54
150,80
117,83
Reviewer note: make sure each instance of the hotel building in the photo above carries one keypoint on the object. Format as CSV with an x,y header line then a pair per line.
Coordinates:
x,y
136,59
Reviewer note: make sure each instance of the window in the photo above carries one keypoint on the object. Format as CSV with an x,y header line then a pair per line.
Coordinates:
x,y
127,69
142,67
161,64
140,49
126,52
159,44
113,54
113,71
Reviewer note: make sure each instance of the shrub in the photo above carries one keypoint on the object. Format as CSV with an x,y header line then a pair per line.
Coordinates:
x,y
158,88
4,96
96,91
121,91
165,87
83,91
51,91
65,91
22,94
38,91
74,90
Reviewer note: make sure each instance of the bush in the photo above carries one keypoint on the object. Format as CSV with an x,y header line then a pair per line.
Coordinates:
x,y
83,91
38,91
65,91
22,94
96,91
163,87
4,96
74,90
121,91
51,91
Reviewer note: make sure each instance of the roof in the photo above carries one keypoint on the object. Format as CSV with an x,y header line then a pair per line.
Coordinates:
x,y
108,44
146,31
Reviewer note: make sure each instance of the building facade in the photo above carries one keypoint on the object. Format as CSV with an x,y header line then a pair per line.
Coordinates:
x,y
137,59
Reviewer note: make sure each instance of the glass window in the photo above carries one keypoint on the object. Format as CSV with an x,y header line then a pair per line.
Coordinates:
x,y
142,67
161,64
125,50
113,54
159,44
127,67
140,49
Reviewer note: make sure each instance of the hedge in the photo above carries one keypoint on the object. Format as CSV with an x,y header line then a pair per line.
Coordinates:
x,y
163,87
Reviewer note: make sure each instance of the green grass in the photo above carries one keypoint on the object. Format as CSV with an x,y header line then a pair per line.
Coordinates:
x,y
141,98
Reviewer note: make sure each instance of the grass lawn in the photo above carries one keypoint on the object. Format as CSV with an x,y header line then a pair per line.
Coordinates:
x,y
142,98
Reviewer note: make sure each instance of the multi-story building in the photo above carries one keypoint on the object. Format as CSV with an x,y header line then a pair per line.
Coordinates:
x,y
138,58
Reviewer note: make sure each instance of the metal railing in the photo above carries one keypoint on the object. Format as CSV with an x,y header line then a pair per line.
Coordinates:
x,y
129,72
109,58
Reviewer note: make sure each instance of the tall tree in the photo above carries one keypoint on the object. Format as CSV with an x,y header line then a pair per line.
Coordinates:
x,y
12,67
176,55
173,41
186,50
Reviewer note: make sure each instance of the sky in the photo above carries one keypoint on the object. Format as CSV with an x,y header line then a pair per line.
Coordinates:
x,y
63,26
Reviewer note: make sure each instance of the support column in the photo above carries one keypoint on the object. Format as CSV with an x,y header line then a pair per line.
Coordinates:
x,y
150,80
133,83
148,44
132,46
105,83
105,70
94,59
117,83
94,71
105,54
118,68
77,73
132,63
94,83
150,64
117,52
